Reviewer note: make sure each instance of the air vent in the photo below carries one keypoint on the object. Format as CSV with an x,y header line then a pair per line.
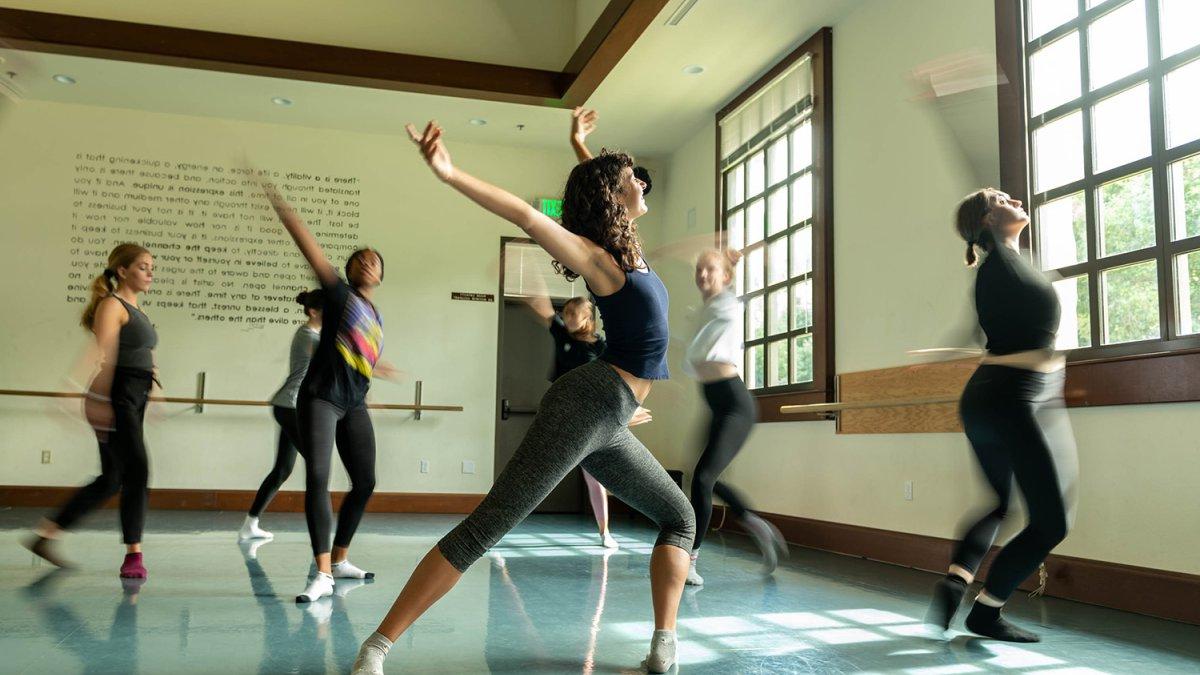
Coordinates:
x,y
681,11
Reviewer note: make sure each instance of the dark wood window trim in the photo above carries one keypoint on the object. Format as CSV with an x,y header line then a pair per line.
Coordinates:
x,y
1153,371
819,47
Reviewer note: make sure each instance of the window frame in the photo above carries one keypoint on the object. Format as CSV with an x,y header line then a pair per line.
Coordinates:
x,y
819,48
1147,371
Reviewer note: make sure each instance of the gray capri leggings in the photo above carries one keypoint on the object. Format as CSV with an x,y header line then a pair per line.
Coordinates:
x,y
581,421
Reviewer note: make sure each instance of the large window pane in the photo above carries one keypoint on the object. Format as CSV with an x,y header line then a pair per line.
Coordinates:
x,y
1183,102
1045,15
1130,301
1062,231
735,186
1121,128
755,213
756,174
802,199
1187,292
777,211
801,146
777,261
736,231
1117,44
1054,74
1075,326
1058,152
801,251
754,318
777,357
802,305
1126,214
777,312
802,359
777,161
754,367
1178,20
1185,197
754,270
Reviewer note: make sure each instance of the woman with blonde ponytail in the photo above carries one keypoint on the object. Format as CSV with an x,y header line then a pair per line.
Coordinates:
x,y
115,406
1012,412
712,359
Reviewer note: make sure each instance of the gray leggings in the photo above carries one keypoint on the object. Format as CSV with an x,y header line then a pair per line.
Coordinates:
x,y
581,421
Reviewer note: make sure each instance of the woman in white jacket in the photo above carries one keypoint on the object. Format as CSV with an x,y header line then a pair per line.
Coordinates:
x,y
712,359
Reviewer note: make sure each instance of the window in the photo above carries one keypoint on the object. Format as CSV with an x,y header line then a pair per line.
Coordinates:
x,y
1112,112
774,200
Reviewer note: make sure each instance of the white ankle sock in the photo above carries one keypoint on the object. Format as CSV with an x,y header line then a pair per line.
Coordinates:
x,y
251,530
662,651
693,577
320,587
347,570
371,655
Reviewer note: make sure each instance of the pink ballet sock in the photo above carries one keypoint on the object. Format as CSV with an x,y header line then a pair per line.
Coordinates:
x,y
133,568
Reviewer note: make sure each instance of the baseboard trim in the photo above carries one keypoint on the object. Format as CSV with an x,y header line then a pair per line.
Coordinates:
x,y
290,501
1142,590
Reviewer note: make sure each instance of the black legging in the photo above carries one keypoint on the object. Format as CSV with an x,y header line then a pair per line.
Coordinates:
x,y
1017,426
285,459
733,414
323,424
124,466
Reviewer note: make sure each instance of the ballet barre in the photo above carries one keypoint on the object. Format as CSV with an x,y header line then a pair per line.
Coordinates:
x,y
863,405
417,406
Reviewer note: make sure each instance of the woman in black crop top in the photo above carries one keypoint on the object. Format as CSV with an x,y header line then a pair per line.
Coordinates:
x,y
583,416
115,406
331,403
1012,412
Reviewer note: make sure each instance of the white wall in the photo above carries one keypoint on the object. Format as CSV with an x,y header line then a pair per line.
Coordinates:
x,y
899,170
433,240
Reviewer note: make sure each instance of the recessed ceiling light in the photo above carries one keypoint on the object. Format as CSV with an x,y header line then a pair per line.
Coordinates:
x,y
279,100
478,121
693,70
64,79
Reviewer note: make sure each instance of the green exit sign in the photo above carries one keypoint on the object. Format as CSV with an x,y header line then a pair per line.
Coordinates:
x,y
550,207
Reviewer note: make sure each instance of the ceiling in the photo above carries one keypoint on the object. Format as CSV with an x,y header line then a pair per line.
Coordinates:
x,y
526,33
647,103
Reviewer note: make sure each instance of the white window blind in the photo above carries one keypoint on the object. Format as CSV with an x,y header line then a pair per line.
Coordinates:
x,y
787,96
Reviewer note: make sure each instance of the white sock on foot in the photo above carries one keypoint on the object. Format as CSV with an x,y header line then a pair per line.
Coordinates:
x,y
693,577
321,586
662,651
371,655
347,570
251,530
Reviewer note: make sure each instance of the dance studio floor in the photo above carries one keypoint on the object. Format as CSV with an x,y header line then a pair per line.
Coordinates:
x,y
548,600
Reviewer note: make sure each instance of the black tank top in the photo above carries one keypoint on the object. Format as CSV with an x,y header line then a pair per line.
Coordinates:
x,y
1017,306
137,340
635,325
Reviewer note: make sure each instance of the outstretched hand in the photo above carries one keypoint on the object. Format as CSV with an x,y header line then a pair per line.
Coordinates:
x,y
583,122
432,149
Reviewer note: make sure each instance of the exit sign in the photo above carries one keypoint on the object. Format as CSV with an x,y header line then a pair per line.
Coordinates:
x,y
550,207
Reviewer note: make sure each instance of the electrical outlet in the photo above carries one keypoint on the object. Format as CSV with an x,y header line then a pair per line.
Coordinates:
x,y
468,466
45,457
424,466
908,487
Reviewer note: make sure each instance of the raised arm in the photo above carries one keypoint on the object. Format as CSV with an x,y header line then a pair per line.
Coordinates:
x,y
568,248
583,122
304,239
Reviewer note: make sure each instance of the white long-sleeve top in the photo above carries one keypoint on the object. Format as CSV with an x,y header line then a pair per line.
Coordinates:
x,y
719,339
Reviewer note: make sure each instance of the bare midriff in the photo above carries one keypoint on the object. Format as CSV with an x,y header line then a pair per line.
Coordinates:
x,y
1037,360
640,386
714,371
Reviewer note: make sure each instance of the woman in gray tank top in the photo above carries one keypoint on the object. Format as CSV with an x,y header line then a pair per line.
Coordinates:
x,y
283,403
115,406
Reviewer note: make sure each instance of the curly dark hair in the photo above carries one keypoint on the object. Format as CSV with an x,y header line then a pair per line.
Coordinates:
x,y
592,209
